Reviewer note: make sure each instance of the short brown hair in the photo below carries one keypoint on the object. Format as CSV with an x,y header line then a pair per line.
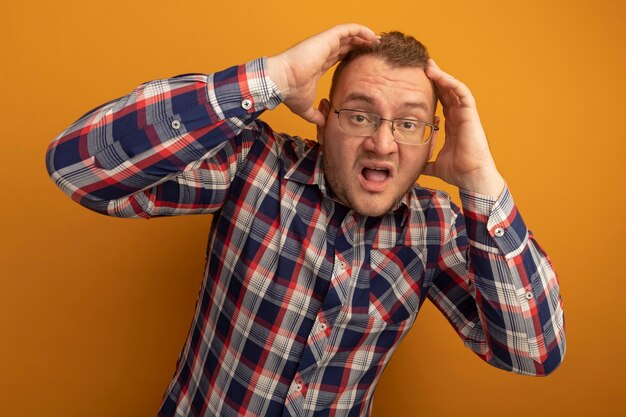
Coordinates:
x,y
396,48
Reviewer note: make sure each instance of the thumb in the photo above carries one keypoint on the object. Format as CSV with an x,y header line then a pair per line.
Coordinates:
x,y
429,169
314,116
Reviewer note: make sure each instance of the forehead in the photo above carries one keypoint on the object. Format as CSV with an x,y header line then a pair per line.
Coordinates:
x,y
370,80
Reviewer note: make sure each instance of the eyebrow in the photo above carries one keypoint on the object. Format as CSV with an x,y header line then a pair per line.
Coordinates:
x,y
363,98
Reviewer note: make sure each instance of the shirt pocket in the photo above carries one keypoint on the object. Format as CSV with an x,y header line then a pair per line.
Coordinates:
x,y
396,283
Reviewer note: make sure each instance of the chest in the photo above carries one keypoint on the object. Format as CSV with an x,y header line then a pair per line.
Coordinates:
x,y
289,242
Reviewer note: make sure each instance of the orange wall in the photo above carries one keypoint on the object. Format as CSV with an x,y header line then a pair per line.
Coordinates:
x,y
93,310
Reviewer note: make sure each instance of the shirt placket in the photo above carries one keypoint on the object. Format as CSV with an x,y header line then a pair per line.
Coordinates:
x,y
344,226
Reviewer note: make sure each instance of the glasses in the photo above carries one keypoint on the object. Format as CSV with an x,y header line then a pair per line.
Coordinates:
x,y
407,131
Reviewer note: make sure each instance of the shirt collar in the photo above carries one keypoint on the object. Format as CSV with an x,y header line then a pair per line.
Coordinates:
x,y
308,169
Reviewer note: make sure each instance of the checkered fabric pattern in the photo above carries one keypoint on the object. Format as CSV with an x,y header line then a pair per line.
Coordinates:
x,y
303,300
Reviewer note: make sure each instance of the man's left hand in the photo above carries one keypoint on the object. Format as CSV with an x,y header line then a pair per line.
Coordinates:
x,y
465,160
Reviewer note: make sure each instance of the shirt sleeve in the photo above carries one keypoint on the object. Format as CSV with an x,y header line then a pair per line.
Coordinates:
x,y
498,288
167,148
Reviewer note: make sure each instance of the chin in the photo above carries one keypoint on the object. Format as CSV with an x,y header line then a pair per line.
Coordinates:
x,y
373,208
363,202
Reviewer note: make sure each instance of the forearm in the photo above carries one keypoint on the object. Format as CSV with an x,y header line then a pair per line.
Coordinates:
x,y
155,133
507,305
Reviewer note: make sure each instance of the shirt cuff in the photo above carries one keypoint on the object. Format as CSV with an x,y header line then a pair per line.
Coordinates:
x,y
494,224
253,92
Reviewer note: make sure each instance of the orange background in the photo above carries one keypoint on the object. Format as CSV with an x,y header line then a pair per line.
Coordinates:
x,y
94,310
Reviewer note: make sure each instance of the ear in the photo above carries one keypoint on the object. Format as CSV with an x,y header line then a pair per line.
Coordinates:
x,y
433,140
324,108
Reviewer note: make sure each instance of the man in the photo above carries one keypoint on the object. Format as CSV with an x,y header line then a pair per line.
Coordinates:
x,y
321,253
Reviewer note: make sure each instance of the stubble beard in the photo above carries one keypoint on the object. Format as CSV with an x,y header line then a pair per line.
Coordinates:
x,y
341,193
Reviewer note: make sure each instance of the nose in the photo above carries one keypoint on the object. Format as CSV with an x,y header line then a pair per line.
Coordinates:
x,y
382,141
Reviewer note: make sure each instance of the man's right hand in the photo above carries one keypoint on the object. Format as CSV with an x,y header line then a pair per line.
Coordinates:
x,y
297,71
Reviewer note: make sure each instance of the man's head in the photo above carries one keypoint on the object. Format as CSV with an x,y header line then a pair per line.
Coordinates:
x,y
371,173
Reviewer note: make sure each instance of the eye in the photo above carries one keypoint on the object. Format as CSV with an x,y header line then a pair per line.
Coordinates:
x,y
358,118
408,125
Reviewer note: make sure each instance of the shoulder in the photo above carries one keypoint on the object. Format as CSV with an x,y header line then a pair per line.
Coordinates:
x,y
428,199
289,148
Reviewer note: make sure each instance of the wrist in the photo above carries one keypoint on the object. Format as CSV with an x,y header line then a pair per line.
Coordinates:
x,y
491,184
278,72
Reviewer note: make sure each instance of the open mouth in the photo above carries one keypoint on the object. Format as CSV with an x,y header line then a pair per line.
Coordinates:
x,y
375,175
375,179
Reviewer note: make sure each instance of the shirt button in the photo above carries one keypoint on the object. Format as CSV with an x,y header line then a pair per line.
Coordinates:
x,y
176,124
529,295
246,104
322,326
499,232
297,387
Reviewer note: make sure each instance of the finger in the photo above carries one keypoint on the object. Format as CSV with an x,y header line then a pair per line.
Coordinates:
x,y
447,83
447,96
349,42
352,43
354,30
331,60
314,116
345,38
362,41
354,35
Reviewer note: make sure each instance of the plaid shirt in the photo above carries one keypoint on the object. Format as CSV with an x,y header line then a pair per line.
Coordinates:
x,y
303,300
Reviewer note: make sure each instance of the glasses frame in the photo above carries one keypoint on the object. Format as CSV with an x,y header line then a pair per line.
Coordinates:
x,y
434,127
